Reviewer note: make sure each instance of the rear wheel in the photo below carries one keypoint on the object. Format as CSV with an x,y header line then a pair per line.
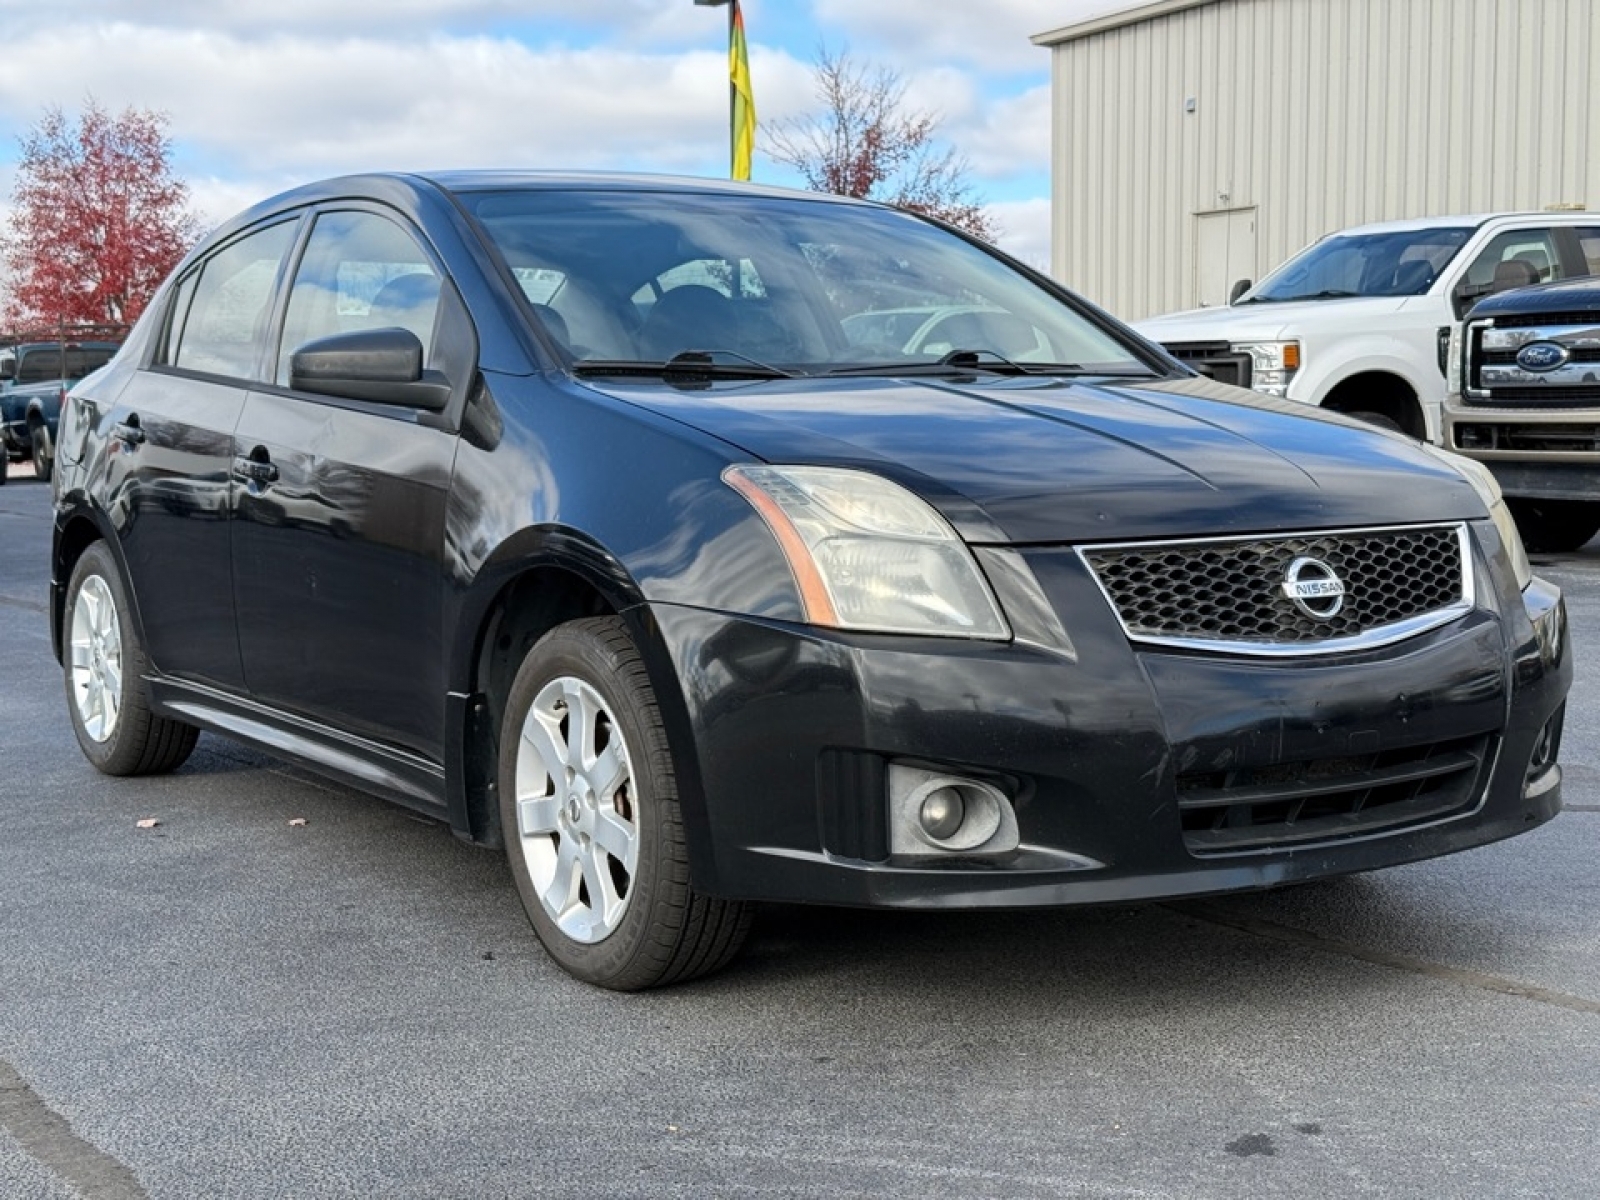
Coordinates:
x,y
105,667
593,830
1554,526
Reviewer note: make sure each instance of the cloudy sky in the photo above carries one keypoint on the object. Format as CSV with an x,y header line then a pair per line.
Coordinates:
x,y
264,94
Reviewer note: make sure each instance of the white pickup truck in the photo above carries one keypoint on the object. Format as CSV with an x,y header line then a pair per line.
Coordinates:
x,y
1359,321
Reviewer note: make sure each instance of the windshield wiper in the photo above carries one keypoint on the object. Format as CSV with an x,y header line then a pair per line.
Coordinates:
x,y
687,364
961,362
1326,294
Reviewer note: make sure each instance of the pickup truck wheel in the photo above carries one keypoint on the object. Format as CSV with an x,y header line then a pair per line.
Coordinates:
x,y
1378,419
44,453
105,667
593,830
1554,526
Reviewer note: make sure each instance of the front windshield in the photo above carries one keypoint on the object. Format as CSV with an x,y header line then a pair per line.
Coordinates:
x,y
807,286
1399,263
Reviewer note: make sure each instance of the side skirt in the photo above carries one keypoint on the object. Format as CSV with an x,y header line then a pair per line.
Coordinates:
x,y
383,771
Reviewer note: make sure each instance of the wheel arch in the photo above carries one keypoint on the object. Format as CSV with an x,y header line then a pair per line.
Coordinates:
x,y
1381,390
75,532
539,580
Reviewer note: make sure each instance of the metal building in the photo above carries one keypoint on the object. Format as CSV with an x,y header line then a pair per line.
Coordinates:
x,y
1197,142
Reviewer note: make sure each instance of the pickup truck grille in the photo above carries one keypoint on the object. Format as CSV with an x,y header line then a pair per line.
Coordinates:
x,y
1229,596
1496,377
1217,360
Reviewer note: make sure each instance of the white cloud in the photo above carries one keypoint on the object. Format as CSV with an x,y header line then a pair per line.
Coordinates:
x,y
304,106
993,34
1025,230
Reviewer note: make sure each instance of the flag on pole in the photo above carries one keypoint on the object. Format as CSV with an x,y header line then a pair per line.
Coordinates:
x,y
744,100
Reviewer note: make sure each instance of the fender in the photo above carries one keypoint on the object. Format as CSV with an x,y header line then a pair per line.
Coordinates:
x,y
76,515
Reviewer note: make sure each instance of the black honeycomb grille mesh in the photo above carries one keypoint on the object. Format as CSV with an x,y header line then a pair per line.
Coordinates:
x,y
1232,591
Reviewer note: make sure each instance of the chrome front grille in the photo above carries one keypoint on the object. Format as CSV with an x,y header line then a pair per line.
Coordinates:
x,y
1497,377
1228,594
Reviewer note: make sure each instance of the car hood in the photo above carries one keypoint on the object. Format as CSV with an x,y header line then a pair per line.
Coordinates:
x,y
1045,461
1264,322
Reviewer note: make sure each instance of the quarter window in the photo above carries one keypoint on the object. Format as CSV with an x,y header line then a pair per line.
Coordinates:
x,y
360,271
220,332
1589,243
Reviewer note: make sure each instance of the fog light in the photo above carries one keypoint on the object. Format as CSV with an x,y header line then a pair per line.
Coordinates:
x,y
942,813
937,811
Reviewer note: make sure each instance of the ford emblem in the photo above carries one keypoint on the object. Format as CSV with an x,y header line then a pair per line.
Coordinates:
x,y
1540,357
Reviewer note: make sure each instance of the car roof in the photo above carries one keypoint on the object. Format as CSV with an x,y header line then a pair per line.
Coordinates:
x,y
1464,221
377,184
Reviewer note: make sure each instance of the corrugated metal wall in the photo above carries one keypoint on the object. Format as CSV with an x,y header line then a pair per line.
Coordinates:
x,y
1318,114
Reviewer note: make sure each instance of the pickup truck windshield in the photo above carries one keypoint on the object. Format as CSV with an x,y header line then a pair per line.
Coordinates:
x,y
46,364
1399,263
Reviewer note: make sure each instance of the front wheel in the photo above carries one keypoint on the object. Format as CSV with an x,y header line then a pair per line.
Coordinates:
x,y
104,666
593,830
1381,420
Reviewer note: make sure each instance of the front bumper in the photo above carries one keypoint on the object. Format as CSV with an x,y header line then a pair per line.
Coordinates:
x,y
1536,453
1105,751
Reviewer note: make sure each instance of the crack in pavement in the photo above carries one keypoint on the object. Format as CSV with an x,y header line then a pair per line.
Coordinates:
x,y
1464,976
47,1138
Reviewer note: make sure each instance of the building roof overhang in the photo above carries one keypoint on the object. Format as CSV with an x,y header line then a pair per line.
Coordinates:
x,y
1118,18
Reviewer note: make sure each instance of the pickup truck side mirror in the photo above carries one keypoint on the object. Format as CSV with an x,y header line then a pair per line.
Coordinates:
x,y
381,366
1239,288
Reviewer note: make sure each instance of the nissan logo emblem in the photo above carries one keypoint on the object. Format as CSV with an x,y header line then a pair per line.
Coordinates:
x,y
1540,357
1314,588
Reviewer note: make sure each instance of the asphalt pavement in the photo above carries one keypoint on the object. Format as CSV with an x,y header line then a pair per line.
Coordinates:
x,y
233,1004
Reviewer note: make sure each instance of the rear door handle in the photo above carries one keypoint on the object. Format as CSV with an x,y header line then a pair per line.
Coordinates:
x,y
255,470
128,432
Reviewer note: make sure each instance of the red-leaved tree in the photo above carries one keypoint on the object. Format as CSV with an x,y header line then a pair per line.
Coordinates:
x,y
866,143
98,219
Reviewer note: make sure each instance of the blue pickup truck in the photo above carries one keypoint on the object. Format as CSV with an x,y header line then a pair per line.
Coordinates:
x,y
35,373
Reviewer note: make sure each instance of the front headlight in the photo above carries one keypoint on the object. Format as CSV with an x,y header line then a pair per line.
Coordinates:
x,y
867,554
1488,488
1272,365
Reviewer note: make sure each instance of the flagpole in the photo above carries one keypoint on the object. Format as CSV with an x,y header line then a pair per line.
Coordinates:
x,y
733,88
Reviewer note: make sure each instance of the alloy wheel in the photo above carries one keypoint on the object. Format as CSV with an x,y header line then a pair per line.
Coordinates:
x,y
577,817
96,647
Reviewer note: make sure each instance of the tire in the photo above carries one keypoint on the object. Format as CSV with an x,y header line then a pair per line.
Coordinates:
x,y
1554,526
1378,419
104,671
44,454
565,790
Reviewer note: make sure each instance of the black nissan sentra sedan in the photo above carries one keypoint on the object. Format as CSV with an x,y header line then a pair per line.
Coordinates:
x,y
705,544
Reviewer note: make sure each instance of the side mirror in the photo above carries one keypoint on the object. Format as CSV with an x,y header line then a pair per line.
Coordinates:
x,y
382,366
1239,288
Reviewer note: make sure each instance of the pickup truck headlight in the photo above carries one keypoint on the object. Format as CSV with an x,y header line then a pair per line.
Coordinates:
x,y
1272,365
869,555
1488,488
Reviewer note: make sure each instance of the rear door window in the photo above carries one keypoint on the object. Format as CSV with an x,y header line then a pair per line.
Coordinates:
x,y
229,305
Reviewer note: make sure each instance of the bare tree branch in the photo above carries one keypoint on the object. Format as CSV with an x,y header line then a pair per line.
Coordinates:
x,y
865,142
